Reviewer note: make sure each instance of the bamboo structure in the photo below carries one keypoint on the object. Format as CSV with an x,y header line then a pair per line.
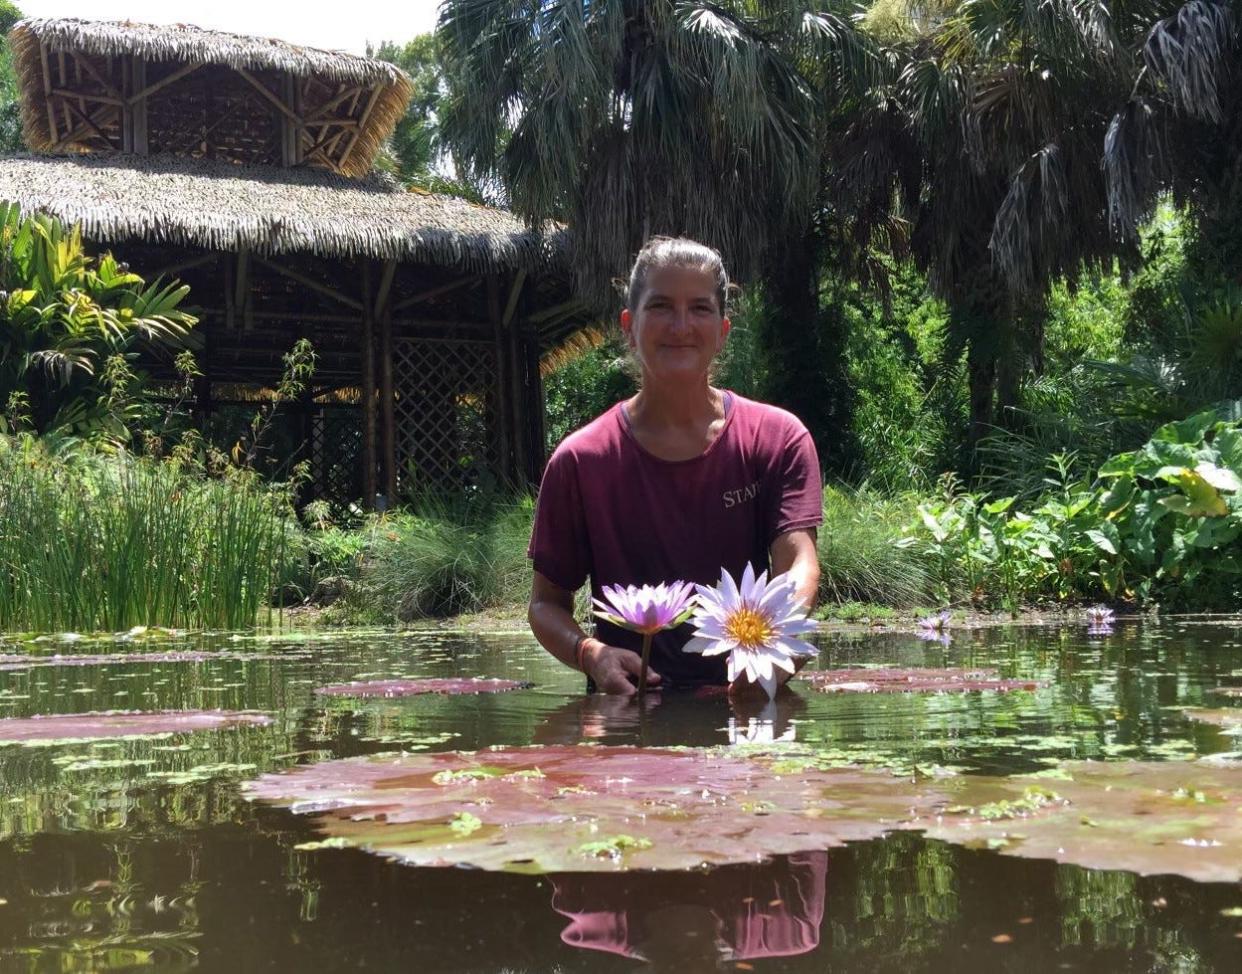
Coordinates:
x,y
243,167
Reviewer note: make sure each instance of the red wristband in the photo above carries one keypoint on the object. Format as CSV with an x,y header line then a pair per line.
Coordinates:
x,y
580,650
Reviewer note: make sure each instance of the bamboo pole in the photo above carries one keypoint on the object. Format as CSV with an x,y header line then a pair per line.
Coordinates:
x,y
388,397
368,389
502,388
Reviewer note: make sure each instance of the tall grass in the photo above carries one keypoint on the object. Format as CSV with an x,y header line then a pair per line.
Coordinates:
x,y
859,558
90,542
446,556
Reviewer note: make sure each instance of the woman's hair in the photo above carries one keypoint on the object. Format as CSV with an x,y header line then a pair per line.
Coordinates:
x,y
676,252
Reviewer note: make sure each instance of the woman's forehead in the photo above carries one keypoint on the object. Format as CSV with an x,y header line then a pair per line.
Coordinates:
x,y
681,281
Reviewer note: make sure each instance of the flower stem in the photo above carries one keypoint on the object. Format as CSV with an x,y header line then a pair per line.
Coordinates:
x,y
642,673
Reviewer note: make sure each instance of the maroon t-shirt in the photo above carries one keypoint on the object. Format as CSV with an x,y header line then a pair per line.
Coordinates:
x,y
611,511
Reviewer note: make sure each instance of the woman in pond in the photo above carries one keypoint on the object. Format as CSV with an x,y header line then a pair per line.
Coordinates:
x,y
675,483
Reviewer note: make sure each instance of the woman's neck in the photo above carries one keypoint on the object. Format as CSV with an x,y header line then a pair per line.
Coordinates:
x,y
662,406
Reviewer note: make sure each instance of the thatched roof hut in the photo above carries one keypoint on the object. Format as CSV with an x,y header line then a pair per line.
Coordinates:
x,y
205,203
242,166
92,85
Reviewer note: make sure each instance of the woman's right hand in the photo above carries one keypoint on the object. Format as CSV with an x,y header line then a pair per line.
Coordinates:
x,y
616,670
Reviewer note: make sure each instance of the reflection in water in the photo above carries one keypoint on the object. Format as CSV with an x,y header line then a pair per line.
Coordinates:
x,y
771,909
699,718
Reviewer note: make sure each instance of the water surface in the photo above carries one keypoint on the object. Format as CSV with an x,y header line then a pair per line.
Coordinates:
x,y
142,855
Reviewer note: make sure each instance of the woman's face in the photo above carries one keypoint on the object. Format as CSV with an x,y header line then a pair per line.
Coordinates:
x,y
678,328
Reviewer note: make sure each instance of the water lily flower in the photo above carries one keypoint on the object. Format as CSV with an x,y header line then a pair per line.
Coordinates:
x,y
647,610
756,623
935,624
1099,615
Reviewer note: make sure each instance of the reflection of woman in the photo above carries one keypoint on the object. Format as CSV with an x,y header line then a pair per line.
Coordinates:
x,y
773,909
677,482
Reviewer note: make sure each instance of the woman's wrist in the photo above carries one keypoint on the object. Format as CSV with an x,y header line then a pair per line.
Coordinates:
x,y
582,653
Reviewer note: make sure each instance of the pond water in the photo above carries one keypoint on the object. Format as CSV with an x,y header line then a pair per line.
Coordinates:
x,y
143,854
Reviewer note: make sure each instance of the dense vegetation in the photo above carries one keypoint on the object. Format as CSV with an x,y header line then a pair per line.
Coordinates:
x,y
988,252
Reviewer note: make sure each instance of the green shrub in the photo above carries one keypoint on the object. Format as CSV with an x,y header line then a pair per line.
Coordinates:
x,y
1161,523
92,542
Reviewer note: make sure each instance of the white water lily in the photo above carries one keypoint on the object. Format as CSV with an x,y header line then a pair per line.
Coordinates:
x,y
756,623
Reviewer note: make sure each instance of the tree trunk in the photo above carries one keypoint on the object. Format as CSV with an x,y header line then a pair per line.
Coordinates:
x,y
803,343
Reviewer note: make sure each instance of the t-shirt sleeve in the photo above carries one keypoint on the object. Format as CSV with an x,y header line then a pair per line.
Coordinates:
x,y
797,500
559,548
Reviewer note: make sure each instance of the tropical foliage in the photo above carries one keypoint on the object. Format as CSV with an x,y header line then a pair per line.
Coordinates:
x,y
70,325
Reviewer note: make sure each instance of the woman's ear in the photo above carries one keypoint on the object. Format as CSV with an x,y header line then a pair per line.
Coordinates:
x,y
725,326
627,325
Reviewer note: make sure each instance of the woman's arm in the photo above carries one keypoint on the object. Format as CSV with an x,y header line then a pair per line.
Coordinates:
x,y
551,616
795,552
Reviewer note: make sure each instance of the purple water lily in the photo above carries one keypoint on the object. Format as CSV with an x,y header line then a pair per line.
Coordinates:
x,y
646,609
1100,615
931,626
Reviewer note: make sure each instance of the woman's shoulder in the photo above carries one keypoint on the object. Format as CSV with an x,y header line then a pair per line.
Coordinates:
x,y
767,420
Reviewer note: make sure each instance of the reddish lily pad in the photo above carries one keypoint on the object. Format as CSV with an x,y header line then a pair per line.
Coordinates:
x,y
588,809
122,723
1155,817
580,808
914,680
1227,718
20,661
409,688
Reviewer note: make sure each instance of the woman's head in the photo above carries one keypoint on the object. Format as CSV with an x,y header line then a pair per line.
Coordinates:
x,y
675,315
661,252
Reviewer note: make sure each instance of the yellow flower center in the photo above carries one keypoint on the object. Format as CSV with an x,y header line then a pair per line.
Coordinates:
x,y
750,628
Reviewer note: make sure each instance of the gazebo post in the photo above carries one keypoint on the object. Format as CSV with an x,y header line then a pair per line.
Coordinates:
x,y
368,388
383,307
495,314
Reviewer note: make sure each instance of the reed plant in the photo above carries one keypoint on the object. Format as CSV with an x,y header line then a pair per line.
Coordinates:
x,y
95,542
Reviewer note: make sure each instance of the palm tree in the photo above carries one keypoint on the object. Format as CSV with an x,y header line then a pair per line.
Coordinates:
x,y
627,119
1180,130
985,134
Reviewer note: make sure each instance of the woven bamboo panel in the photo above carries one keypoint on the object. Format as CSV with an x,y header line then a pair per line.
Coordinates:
x,y
447,425
336,457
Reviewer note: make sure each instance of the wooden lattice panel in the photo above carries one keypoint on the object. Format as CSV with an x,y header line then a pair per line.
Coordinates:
x,y
447,432
336,456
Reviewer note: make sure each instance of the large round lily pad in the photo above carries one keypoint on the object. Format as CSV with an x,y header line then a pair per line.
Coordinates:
x,y
913,680
582,808
121,723
407,688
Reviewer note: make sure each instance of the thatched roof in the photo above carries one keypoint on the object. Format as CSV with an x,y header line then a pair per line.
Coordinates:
x,y
224,206
36,44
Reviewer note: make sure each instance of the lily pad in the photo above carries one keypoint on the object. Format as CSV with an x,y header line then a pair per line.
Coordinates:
x,y
20,661
1228,719
408,688
585,808
121,723
582,808
1155,817
913,680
